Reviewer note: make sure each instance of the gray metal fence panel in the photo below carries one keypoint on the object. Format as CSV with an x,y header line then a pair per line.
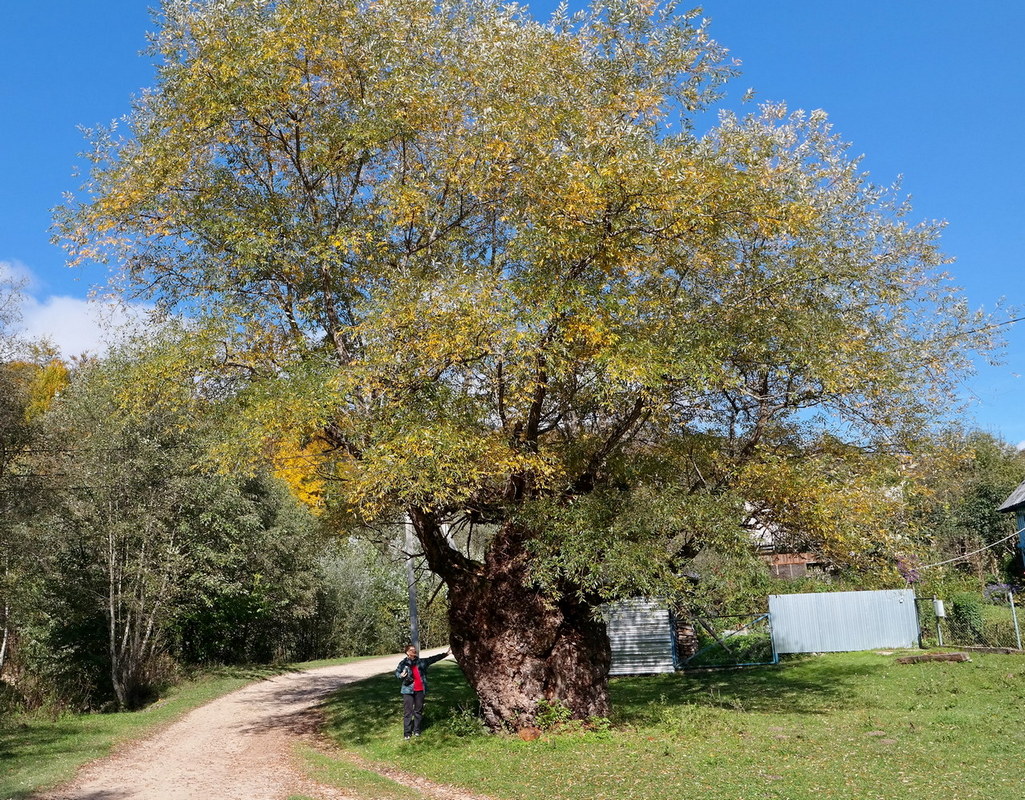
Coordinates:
x,y
641,635
831,622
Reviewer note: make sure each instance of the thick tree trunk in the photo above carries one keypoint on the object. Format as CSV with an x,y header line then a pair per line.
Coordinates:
x,y
517,647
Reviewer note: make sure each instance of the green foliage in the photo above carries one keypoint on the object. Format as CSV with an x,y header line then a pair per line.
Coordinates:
x,y
972,621
551,714
744,648
145,557
364,600
954,488
565,303
1000,632
966,616
463,721
25,387
251,589
611,542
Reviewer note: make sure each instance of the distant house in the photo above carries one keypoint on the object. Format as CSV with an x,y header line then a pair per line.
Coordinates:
x,y
782,553
793,565
1016,503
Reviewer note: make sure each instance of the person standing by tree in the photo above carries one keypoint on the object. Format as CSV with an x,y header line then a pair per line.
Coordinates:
x,y
412,671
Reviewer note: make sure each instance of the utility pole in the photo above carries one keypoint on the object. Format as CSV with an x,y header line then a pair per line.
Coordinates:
x,y
414,618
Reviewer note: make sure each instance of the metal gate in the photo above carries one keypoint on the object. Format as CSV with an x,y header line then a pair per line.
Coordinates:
x,y
732,640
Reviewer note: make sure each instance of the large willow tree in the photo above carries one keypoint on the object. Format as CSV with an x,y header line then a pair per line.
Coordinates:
x,y
483,271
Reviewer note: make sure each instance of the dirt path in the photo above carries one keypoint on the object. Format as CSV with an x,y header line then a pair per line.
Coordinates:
x,y
239,747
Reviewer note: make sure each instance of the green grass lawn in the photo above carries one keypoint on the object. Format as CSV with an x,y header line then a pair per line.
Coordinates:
x,y
854,726
38,752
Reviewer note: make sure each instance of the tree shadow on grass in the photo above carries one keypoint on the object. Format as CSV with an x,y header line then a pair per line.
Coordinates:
x,y
372,708
800,686
22,746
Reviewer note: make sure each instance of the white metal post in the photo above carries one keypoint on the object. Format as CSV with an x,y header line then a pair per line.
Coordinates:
x,y
1014,616
414,619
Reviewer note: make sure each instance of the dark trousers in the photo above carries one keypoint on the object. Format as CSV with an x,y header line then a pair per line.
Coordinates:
x,y
412,713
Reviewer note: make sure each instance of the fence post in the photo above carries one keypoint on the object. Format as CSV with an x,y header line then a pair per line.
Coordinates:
x,y
1014,616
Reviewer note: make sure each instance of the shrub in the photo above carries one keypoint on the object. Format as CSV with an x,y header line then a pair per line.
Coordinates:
x,y
744,648
551,714
1000,633
464,721
966,617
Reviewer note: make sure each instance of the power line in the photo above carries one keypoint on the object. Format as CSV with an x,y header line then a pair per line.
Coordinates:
x,y
974,552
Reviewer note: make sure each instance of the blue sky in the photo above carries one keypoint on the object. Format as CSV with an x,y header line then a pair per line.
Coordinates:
x,y
933,91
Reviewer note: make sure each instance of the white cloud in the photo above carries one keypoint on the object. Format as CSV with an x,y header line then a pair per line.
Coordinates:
x,y
75,326
16,274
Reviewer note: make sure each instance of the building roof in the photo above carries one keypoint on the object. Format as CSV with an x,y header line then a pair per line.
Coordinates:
x,y
1016,501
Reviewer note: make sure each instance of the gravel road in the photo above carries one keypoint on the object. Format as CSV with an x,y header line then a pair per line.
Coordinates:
x,y
239,747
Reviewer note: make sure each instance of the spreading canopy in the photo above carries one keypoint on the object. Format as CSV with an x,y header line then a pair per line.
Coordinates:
x,y
486,266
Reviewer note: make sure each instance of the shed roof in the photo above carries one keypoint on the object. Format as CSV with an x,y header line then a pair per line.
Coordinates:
x,y
1016,500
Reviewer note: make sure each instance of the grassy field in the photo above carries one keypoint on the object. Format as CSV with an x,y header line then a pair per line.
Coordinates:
x,y
839,725
37,751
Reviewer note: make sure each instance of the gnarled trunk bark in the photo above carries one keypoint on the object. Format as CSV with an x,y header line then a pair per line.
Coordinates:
x,y
517,646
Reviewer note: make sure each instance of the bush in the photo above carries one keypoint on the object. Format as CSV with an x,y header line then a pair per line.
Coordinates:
x,y
966,618
11,700
464,721
551,714
1000,633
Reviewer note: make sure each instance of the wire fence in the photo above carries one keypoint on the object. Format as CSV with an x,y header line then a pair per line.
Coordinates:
x,y
735,640
992,619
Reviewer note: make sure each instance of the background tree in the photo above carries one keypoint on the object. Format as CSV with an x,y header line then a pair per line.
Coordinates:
x,y
955,484
126,555
124,482
484,270
150,554
250,594
365,601
29,378
14,437
11,297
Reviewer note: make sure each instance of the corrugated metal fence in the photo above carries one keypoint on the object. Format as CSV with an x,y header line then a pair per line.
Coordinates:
x,y
829,622
641,635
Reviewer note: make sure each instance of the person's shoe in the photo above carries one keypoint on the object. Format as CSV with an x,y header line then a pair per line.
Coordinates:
x,y
405,737
416,733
